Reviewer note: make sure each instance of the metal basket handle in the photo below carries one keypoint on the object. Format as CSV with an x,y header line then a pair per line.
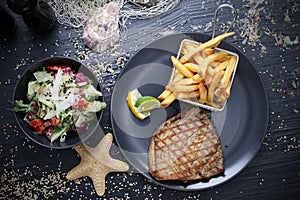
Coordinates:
x,y
215,18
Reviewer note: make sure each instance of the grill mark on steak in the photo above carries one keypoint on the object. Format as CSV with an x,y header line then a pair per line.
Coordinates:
x,y
186,147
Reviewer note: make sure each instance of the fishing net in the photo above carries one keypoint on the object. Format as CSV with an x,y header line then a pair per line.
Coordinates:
x,y
74,13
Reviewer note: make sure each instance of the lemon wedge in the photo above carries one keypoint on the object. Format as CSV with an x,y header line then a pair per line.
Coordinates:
x,y
132,97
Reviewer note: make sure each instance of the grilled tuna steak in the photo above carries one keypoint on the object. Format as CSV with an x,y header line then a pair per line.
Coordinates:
x,y
186,147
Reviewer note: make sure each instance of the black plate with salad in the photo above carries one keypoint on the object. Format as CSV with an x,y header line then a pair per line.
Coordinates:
x,y
58,102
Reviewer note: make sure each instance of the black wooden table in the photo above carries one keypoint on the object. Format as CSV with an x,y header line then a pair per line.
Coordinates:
x,y
266,32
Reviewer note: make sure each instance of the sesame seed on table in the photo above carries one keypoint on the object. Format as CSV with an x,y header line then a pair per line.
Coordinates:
x,y
266,32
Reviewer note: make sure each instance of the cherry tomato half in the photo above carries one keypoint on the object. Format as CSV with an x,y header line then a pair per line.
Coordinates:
x,y
82,103
38,126
54,121
56,67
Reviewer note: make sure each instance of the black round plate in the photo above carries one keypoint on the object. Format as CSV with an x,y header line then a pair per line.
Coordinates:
x,y
241,125
20,93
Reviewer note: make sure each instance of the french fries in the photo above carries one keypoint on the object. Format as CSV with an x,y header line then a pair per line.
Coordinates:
x,y
212,87
183,88
181,68
168,100
192,67
164,94
197,78
177,76
188,95
202,75
187,46
228,72
203,93
208,44
187,81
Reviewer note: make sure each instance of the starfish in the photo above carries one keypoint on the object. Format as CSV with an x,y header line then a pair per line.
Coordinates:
x,y
96,163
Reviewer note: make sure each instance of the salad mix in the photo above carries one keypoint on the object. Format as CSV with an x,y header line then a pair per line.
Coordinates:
x,y
59,100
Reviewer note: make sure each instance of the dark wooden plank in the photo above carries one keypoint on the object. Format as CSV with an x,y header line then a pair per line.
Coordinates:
x,y
28,169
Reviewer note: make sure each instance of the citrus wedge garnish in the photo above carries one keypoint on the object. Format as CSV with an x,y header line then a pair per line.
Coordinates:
x,y
147,103
132,98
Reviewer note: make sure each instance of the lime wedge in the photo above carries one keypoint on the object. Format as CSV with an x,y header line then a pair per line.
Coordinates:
x,y
147,103
132,98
